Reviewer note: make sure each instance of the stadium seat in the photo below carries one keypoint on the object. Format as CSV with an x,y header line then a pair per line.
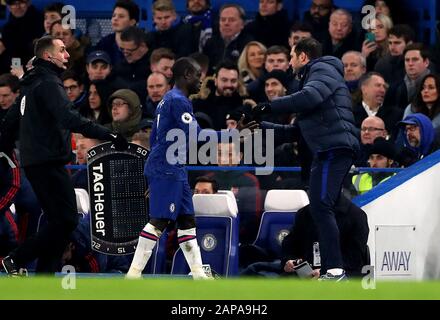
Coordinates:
x,y
82,205
217,234
280,208
82,201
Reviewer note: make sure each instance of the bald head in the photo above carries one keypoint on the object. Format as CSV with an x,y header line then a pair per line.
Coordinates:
x,y
371,128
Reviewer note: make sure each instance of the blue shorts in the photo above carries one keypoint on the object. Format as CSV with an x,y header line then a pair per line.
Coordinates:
x,y
169,198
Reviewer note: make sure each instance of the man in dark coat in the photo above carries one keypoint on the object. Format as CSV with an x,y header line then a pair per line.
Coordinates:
x,y
43,117
232,37
302,243
325,120
170,31
269,25
25,24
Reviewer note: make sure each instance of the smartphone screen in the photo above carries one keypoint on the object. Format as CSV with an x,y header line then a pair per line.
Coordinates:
x,y
370,37
16,62
303,270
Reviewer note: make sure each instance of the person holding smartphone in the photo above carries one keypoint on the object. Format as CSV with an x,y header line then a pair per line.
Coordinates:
x,y
375,44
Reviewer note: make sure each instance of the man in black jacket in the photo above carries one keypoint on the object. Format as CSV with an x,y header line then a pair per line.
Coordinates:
x,y
325,120
302,243
43,117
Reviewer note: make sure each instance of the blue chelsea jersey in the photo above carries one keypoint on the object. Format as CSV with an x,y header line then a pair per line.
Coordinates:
x,y
174,117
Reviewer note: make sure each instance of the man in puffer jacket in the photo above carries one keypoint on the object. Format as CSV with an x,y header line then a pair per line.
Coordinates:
x,y
325,120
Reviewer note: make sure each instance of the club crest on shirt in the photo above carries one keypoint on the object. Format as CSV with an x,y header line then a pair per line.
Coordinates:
x,y
186,118
22,105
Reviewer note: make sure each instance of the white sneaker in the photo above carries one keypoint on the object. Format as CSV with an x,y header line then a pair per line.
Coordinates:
x,y
133,274
200,274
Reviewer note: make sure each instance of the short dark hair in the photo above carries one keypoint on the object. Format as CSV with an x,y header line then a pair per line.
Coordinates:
x,y
201,58
11,81
69,74
161,53
54,7
419,47
226,64
135,34
367,76
210,180
208,3
130,6
277,50
239,8
298,26
43,44
403,31
310,46
182,66
61,24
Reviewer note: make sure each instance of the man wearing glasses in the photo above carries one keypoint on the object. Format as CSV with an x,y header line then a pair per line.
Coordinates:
x,y
419,137
318,18
135,67
371,128
26,24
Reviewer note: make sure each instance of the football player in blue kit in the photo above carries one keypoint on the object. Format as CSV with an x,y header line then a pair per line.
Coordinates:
x,y
170,193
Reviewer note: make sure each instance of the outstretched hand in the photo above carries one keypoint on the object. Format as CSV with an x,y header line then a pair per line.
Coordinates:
x,y
252,125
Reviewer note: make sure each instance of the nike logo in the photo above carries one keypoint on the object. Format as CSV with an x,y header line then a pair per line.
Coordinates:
x,y
113,135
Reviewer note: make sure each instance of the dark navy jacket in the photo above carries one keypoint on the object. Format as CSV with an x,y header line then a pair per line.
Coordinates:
x,y
324,107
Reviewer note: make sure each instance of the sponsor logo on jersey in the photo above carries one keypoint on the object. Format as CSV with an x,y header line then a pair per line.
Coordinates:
x,y
186,118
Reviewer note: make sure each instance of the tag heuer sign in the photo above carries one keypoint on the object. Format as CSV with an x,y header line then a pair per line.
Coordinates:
x,y
118,205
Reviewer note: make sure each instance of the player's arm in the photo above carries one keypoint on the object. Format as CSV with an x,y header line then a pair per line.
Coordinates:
x,y
314,92
56,101
282,133
185,119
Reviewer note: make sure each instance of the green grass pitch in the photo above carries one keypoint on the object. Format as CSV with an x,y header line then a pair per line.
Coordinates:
x,y
222,289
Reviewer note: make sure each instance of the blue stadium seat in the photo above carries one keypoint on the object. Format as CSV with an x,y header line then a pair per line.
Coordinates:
x,y
426,15
217,235
82,206
280,208
82,201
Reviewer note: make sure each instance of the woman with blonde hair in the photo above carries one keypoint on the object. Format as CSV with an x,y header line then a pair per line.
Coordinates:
x,y
375,45
251,61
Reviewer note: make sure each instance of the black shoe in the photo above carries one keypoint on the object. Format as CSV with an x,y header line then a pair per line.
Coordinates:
x,y
330,277
11,268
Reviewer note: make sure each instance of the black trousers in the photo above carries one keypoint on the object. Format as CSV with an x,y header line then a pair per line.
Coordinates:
x,y
326,177
55,192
